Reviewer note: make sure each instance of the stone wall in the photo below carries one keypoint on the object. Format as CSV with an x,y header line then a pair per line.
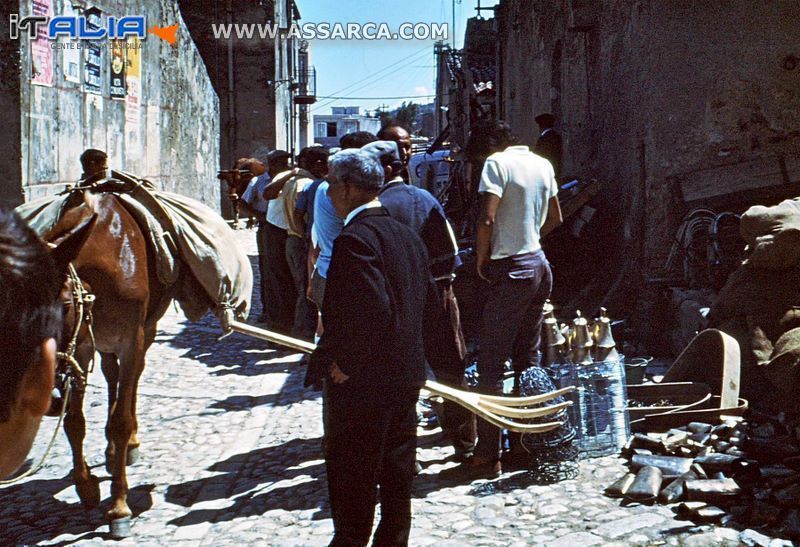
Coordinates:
x,y
247,107
10,120
250,76
670,104
170,137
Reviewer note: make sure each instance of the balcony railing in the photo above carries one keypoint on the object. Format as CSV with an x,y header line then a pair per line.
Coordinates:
x,y
306,87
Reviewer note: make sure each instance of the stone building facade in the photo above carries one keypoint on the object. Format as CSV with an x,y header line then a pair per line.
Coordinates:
x,y
161,124
671,105
253,76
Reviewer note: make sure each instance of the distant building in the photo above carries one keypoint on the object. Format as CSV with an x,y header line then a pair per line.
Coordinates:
x,y
265,87
329,128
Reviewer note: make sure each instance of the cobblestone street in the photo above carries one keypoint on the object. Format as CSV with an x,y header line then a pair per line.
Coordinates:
x,y
231,455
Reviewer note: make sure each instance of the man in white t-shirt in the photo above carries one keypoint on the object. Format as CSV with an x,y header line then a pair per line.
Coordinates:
x,y
519,205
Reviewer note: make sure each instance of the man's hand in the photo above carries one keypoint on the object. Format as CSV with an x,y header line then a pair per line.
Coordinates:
x,y
338,376
480,266
483,234
309,293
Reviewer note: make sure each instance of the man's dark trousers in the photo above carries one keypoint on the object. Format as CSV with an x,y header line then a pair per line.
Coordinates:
x,y
280,285
446,350
511,327
369,438
263,270
305,312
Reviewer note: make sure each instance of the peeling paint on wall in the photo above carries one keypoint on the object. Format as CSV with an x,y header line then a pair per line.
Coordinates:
x,y
167,132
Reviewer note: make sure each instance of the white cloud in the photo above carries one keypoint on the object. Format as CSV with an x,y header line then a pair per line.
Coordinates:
x,y
421,90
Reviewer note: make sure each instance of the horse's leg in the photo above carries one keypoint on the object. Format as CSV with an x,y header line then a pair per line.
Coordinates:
x,y
120,427
134,443
86,484
110,365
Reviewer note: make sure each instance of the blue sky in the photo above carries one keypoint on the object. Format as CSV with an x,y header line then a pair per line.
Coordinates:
x,y
346,68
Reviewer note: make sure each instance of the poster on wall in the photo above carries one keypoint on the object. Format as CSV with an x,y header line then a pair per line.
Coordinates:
x,y
133,100
116,84
70,49
41,52
92,56
133,79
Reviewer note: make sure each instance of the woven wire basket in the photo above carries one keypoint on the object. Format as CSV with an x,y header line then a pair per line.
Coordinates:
x,y
552,456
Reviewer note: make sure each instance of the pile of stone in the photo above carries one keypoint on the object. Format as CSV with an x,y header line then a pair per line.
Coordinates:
x,y
731,473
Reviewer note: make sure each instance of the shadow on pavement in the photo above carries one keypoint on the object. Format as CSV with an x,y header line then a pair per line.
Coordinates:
x,y
30,513
285,476
236,353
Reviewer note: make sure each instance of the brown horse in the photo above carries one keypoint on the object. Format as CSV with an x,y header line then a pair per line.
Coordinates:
x,y
117,265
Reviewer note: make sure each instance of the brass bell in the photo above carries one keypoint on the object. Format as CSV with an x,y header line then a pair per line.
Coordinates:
x,y
604,344
581,341
552,355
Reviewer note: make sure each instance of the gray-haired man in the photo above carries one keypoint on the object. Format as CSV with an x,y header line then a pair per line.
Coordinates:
x,y
371,357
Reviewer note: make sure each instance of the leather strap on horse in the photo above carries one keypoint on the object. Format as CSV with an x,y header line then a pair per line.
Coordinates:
x,y
82,302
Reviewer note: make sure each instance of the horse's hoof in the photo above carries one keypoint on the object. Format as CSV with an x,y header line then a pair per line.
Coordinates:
x,y
120,528
133,455
89,492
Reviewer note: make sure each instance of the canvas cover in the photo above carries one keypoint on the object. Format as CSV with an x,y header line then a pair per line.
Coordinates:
x,y
182,232
772,235
760,307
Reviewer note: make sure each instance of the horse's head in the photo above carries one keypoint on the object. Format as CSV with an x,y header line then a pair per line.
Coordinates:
x,y
30,277
73,233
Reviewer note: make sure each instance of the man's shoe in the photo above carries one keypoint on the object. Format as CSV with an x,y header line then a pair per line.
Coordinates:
x,y
472,469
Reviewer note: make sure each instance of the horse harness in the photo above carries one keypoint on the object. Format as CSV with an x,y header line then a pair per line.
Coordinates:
x,y
80,301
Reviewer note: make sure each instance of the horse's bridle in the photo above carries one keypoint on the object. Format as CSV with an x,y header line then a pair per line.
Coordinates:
x,y
79,301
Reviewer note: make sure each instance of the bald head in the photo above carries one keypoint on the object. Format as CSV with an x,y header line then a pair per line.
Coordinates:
x,y
400,136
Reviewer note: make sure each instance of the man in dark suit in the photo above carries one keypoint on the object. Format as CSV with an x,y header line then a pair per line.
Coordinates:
x,y
549,144
371,357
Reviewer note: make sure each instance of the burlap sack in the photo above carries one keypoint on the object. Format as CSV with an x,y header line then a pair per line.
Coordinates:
x,y
772,235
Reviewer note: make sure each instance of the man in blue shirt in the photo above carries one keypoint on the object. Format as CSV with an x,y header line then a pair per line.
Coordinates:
x,y
327,225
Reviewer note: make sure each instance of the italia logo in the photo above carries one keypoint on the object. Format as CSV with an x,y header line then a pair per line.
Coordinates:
x,y
88,27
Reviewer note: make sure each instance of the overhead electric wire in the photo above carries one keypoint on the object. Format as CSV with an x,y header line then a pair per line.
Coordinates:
x,y
414,56
380,98
387,67
374,78
408,59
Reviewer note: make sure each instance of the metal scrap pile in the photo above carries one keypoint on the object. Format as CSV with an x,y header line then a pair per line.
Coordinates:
x,y
732,473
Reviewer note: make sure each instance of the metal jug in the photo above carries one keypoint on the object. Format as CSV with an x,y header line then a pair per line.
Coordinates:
x,y
581,341
604,344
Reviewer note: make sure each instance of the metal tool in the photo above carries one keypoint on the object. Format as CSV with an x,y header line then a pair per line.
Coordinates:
x,y
499,411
